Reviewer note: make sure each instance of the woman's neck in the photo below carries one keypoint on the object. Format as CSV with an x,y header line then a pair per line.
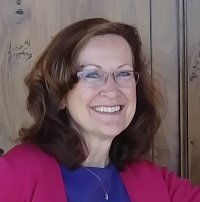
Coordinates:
x,y
98,152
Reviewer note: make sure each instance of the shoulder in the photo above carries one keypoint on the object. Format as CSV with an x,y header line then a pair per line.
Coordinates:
x,y
144,165
143,169
26,157
147,169
145,178
148,176
33,171
25,149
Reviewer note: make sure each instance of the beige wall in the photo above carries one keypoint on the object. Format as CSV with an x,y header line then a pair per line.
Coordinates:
x,y
26,26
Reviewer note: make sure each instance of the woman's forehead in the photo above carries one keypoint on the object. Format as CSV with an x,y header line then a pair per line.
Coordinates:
x,y
106,49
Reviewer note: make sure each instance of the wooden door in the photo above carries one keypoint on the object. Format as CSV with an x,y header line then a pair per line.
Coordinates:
x,y
193,76
26,27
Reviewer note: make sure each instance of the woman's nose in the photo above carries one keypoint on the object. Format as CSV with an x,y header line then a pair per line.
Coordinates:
x,y
110,89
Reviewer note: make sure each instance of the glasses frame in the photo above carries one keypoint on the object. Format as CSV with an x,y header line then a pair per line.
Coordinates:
x,y
114,75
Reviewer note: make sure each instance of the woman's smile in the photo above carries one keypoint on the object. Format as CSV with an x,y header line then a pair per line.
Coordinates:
x,y
108,109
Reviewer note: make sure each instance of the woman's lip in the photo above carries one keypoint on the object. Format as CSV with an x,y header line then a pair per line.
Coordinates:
x,y
121,105
109,110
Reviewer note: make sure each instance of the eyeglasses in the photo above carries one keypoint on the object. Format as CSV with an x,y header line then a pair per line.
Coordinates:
x,y
98,78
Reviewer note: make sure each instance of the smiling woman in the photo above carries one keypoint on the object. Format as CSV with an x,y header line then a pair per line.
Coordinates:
x,y
86,103
55,91
95,115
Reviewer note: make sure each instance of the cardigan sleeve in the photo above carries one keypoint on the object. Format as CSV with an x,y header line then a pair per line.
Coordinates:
x,y
180,189
8,185
27,174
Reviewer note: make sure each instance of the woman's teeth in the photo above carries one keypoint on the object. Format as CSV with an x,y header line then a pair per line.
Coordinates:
x,y
107,109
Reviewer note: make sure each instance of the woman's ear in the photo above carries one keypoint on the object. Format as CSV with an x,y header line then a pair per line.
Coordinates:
x,y
62,105
63,102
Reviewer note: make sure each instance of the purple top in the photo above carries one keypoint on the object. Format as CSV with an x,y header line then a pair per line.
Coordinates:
x,y
29,174
82,185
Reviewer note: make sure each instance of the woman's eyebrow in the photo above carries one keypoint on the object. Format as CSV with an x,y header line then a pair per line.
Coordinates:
x,y
86,65
100,67
124,65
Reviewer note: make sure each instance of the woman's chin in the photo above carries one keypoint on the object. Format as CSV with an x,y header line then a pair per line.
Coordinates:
x,y
110,131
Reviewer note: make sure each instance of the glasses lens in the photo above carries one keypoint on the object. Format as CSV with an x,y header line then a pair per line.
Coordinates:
x,y
96,78
93,78
126,78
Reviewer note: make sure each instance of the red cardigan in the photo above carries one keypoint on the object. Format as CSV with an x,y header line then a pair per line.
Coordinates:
x,y
27,174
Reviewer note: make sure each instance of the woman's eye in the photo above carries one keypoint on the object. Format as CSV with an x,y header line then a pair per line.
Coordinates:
x,y
92,75
124,74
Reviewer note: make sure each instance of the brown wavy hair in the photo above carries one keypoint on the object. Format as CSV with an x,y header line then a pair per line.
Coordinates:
x,y
54,75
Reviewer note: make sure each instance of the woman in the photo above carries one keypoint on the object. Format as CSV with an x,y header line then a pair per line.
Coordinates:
x,y
95,115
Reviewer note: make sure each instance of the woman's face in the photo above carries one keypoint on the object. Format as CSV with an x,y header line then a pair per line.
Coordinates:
x,y
95,109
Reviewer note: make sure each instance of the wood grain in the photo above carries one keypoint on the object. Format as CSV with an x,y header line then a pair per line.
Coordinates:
x,y
15,58
165,65
26,27
193,37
